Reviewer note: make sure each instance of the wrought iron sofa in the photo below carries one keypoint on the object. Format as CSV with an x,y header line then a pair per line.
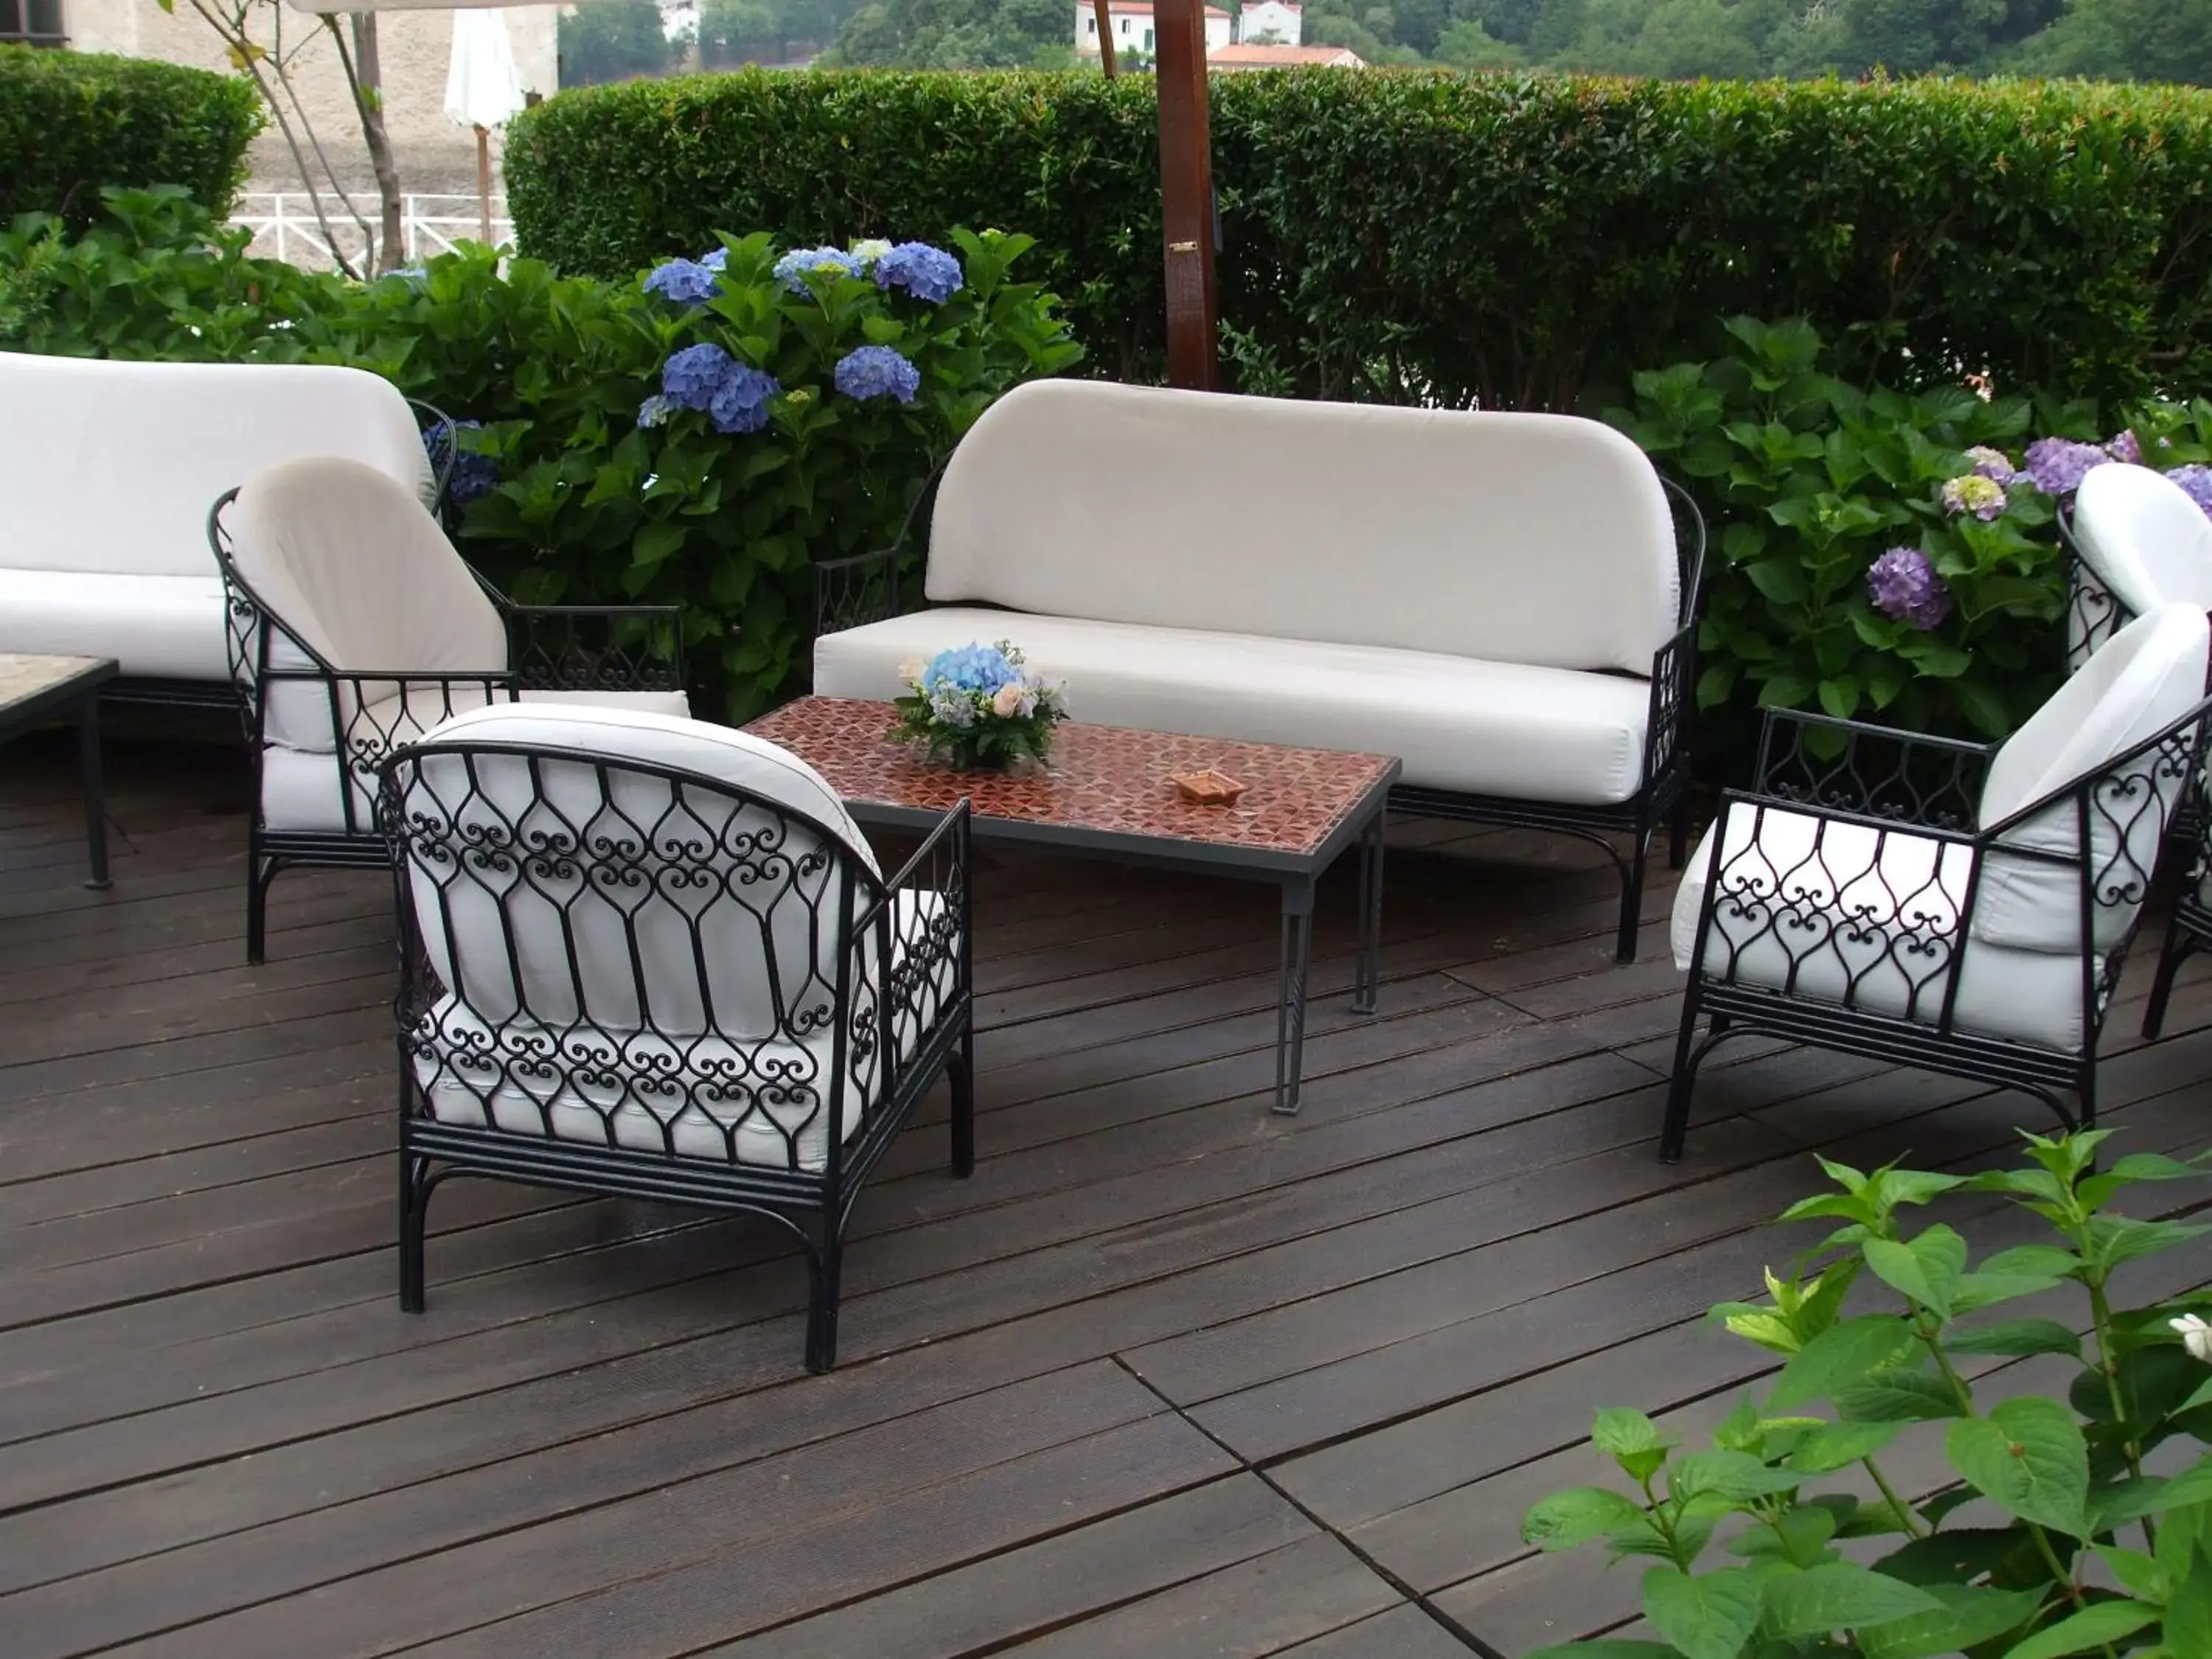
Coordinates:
x,y
355,626
648,957
1502,601
1958,907
107,469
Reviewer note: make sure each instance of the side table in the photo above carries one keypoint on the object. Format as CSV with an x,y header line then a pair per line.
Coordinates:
x,y
36,689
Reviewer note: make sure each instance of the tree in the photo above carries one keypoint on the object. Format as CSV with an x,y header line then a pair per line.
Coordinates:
x,y
1466,44
613,40
767,31
957,34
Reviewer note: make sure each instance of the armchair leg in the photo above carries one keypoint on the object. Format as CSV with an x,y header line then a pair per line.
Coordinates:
x,y
2179,943
1675,1129
260,870
822,1307
413,1207
1678,833
960,1072
1631,897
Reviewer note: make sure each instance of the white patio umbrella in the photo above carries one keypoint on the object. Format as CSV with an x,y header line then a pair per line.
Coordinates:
x,y
484,90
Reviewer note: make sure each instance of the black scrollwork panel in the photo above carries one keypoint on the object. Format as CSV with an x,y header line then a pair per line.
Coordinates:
x,y
1874,772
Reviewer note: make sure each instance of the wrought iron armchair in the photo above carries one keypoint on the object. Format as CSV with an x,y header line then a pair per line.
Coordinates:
x,y
655,958
354,626
870,587
1962,907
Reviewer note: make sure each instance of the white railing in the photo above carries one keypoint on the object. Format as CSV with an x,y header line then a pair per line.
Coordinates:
x,y
285,228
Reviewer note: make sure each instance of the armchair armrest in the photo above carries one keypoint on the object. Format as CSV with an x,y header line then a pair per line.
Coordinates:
x,y
1667,725
595,648
870,587
1877,774
918,925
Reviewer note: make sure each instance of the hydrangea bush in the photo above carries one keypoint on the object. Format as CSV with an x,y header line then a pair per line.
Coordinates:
x,y
1900,1491
979,705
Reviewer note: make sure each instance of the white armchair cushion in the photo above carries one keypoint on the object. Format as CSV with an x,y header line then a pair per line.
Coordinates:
x,y
109,468
155,627
1477,727
1840,913
665,1000
2145,539
1540,540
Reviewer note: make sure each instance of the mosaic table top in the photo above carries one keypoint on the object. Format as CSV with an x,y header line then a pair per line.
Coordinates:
x,y
23,676
1099,779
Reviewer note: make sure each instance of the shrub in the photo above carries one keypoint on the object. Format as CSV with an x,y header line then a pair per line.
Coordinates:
x,y
2048,1536
71,123
1514,241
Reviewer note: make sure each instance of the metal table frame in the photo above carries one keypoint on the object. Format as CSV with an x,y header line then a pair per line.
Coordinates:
x,y
79,696
1297,875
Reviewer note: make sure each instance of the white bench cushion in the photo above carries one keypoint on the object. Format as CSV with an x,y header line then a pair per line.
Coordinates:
x,y
1477,727
155,627
111,467
1867,917
1537,539
2143,537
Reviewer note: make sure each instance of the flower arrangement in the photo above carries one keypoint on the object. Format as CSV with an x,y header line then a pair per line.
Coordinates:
x,y
979,707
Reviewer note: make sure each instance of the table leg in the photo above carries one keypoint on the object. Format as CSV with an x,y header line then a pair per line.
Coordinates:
x,y
1368,977
1290,1003
96,793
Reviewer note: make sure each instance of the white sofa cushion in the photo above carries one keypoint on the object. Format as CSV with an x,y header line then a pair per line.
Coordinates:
x,y
110,468
1537,539
1477,727
300,787
682,973
2147,541
2149,675
155,627
1840,913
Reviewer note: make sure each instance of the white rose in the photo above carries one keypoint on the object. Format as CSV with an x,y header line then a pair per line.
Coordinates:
x,y
2196,1335
1008,701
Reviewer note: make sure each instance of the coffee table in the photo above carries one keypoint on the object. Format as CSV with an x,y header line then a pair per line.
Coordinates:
x,y
34,690
1106,793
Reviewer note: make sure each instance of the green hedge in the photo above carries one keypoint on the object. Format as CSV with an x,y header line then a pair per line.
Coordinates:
x,y
71,123
1518,241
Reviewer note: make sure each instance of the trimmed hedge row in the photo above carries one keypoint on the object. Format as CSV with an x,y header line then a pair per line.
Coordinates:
x,y
1519,240
72,123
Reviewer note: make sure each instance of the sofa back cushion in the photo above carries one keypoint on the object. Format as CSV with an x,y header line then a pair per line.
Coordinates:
x,y
1530,538
2147,541
111,467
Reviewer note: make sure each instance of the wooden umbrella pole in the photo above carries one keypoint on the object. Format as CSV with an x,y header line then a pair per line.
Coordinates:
x,y
1105,36
483,184
1187,194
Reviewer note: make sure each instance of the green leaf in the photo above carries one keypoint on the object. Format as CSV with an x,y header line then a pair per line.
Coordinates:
x,y
1899,1396
1839,1357
2029,1457
1708,1617
1924,1268
2033,1261
1568,1518
1967,1617
2015,1336
2096,1625
2189,1611
1733,1475
1837,1445
2139,1574
1797,1535
1607,1647
2115,1240
1840,1596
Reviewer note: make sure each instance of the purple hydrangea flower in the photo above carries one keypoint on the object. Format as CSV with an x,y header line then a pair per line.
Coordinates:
x,y
2196,480
686,282
928,273
793,269
2126,447
655,411
741,403
877,371
717,262
2057,465
1971,492
1902,584
1991,463
690,377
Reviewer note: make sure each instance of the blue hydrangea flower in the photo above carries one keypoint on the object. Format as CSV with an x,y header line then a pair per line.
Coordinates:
x,y
1902,584
2126,446
928,273
405,274
1991,463
655,411
971,668
717,262
796,266
869,249
685,281
2196,480
690,377
741,403
2057,465
473,476
877,371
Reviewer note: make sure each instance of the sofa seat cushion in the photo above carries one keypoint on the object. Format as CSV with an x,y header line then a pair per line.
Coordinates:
x,y
1548,734
155,627
762,1101
299,788
1841,913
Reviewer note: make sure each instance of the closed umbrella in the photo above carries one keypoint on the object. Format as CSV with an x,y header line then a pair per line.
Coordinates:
x,y
483,89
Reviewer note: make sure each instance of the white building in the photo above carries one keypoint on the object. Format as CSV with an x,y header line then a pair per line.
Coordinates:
x,y
1131,22
1274,22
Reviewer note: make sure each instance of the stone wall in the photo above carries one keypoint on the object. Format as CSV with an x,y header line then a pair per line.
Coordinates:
x,y
416,48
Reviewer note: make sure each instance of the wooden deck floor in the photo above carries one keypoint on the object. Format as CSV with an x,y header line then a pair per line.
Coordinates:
x,y
1170,1377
